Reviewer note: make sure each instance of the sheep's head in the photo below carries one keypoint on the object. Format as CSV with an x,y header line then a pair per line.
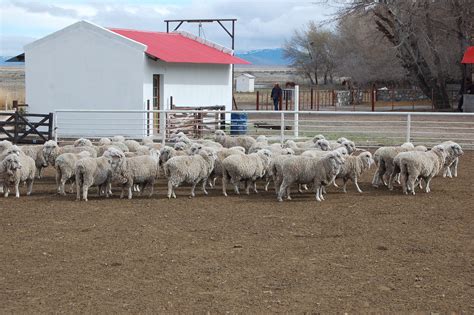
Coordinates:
x,y
262,138
11,163
408,146
318,137
5,144
82,142
265,152
155,154
118,139
342,150
13,150
165,154
287,151
195,148
336,158
180,146
219,135
323,144
41,159
290,144
209,153
349,145
341,140
440,151
115,156
421,148
105,141
456,149
183,138
366,158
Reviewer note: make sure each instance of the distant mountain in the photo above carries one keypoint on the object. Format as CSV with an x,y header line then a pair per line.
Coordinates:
x,y
264,57
3,62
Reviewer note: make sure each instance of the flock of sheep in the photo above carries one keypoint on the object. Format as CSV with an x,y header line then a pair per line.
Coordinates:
x,y
133,167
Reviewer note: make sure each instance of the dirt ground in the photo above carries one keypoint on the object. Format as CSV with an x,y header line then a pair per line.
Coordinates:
x,y
378,251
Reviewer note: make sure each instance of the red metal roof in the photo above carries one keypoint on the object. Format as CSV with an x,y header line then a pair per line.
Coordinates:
x,y
174,47
468,55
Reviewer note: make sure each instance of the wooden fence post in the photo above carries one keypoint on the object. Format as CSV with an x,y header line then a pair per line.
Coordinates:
x,y
317,98
50,126
280,101
372,97
258,101
312,98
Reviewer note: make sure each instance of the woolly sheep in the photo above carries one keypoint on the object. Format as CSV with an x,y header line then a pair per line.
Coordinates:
x,y
96,172
453,151
36,153
132,145
275,169
16,169
140,170
228,141
349,145
51,151
353,167
82,142
116,145
104,141
221,155
65,166
191,169
245,167
118,139
5,144
414,165
12,149
319,171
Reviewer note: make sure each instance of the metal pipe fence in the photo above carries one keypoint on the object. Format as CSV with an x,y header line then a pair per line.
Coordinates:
x,y
364,128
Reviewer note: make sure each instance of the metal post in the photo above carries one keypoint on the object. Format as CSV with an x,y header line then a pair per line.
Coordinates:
x,y
148,118
312,98
282,127
408,135
297,109
372,97
50,126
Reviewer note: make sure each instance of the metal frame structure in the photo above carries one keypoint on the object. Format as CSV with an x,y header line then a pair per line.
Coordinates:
x,y
180,22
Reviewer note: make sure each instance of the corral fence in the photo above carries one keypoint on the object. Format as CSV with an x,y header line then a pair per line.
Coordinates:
x,y
367,129
372,99
26,128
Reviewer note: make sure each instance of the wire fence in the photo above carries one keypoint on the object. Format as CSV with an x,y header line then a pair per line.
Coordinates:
x,y
364,128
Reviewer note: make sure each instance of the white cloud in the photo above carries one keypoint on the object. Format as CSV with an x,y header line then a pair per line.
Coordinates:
x,y
261,24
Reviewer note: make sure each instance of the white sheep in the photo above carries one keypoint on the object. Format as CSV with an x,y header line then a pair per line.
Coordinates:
x,y
5,144
453,151
118,139
140,170
51,150
221,155
191,169
228,141
415,165
36,153
16,169
12,149
353,167
247,168
319,171
83,142
132,145
349,145
97,172
104,141
65,166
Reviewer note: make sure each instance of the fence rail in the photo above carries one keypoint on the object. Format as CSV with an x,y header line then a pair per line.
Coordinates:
x,y
365,128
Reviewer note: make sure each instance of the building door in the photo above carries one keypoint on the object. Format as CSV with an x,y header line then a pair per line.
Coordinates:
x,y
156,102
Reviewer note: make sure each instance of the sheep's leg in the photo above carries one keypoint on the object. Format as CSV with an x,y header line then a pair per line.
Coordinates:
x,y
78,190
282,190
29,184
397,178
58,178
344,186
411,183
375,179
357,184
267,183
6,190
170,188
300,188
236,183
192,190
224,182
122,192
61,188
204,186
255,187
455,167
130,194
427,188
85,190
247,186
318,192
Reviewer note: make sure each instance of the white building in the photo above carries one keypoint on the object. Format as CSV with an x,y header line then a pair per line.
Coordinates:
x,y
86,66
245,83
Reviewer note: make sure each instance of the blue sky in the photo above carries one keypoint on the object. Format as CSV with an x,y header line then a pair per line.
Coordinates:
x,y
261,24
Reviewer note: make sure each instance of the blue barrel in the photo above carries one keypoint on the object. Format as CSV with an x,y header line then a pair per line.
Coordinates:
x,y
238,123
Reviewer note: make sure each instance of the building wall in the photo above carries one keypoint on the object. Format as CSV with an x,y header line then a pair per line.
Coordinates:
x,y
190,85
244,84
87,67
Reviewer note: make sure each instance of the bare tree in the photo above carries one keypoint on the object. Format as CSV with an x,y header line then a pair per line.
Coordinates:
x,y
311,51
421,31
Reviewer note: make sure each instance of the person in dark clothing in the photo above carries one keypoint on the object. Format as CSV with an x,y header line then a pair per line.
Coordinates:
x,y
276,95
467,89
